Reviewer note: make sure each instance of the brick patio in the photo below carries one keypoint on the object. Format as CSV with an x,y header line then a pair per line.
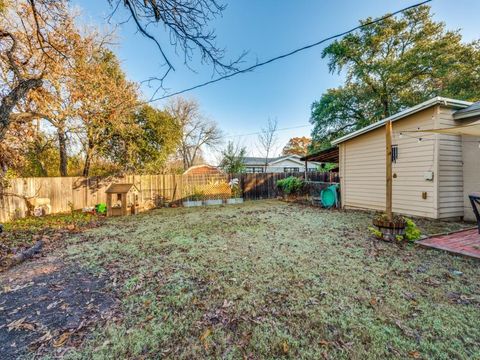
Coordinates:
x,y
465,242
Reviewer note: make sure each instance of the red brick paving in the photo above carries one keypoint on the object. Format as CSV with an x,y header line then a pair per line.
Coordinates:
x,y
465,242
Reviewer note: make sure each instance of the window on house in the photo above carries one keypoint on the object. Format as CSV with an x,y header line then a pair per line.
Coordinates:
x,y
291,169
254,169
394,153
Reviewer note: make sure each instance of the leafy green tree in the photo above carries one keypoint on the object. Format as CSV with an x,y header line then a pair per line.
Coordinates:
x,y
392,65
233,158
146,142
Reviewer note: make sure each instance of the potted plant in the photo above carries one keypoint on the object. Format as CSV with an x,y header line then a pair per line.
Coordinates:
x,y
390,229
195,199
236,192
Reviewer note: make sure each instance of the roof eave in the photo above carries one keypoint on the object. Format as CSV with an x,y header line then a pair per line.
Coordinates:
x,y
402,114
468,114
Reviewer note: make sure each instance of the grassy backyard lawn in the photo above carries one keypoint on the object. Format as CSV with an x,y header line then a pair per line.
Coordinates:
x,y
270,279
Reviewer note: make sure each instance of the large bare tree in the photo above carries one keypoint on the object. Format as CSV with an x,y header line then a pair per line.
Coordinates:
x,y
197,131
187,23
25,60
267,139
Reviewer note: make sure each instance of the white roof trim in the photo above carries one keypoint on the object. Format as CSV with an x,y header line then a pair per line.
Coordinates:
x,y
288,157
400,115
294,158
465,115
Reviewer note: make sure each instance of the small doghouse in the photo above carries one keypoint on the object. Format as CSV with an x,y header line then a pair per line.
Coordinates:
x,y
122,199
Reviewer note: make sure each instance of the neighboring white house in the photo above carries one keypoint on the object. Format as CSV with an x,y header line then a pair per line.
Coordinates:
x,y
433,173
289,163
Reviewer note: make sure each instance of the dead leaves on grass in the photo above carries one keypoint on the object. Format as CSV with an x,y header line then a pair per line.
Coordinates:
x,y
62,339
21,324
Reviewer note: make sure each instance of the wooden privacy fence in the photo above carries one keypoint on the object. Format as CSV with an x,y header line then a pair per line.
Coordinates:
x,y
66,193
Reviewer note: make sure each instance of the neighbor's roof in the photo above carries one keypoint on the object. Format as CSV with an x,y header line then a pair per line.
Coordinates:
x,y
119,188
196,167
472,110
261,160
460,104
252,160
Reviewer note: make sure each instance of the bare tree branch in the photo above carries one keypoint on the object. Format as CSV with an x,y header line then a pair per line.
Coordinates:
x,y
268,139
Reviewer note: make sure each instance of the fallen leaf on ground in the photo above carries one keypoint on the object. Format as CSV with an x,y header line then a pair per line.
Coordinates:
x,y
285,347
46,337
414,354
62,339
205,335
21,324
324,342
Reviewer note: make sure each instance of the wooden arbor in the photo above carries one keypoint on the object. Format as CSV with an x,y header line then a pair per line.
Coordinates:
x,y
122,199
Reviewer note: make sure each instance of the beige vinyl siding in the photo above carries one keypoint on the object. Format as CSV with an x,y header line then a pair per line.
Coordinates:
x,y
341,172
450,168
471,172
363,170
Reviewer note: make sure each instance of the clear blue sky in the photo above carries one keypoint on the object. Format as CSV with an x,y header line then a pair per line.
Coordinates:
x,y
266,28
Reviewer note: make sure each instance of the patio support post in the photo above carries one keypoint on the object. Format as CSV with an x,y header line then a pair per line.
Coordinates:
x,y
388,143
306,170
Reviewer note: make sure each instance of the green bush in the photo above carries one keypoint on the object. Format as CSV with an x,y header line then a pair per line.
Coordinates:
x,y
291,185
375,232
412,232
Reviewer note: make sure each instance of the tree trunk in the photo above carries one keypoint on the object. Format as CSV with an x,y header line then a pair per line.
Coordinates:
x,y
88,159
86,166
186,160
12,99
62,148
386,108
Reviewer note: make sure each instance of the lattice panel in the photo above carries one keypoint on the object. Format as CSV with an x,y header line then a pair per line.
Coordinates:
x,y
202,187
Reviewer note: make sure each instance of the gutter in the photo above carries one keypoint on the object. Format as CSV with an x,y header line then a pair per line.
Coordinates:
x,y
460,104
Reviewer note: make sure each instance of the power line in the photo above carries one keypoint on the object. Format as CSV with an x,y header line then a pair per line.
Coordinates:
x,y
250,68
259,132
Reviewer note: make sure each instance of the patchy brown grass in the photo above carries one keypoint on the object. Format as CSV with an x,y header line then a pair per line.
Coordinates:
x,y
22,233
269,279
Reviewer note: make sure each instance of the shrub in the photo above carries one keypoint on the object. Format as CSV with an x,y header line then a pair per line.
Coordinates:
x,y
291,185
412,232
197,194
375,232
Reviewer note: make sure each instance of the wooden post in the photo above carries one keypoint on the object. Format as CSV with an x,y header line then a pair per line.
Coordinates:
x,y
306,169
388,144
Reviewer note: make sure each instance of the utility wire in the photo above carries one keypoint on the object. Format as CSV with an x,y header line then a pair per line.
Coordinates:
x,y
259,132
248,69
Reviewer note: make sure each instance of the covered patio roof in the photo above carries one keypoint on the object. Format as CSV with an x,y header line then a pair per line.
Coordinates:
x,y
327,155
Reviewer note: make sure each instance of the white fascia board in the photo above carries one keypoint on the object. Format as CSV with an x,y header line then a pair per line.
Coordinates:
x,y
402,114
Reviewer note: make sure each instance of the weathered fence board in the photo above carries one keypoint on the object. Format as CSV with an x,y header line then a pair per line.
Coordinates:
x,y
66,193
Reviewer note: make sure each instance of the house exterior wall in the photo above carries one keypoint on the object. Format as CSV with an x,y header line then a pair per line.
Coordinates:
x,y
471,172
278,167
362,171
450,167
